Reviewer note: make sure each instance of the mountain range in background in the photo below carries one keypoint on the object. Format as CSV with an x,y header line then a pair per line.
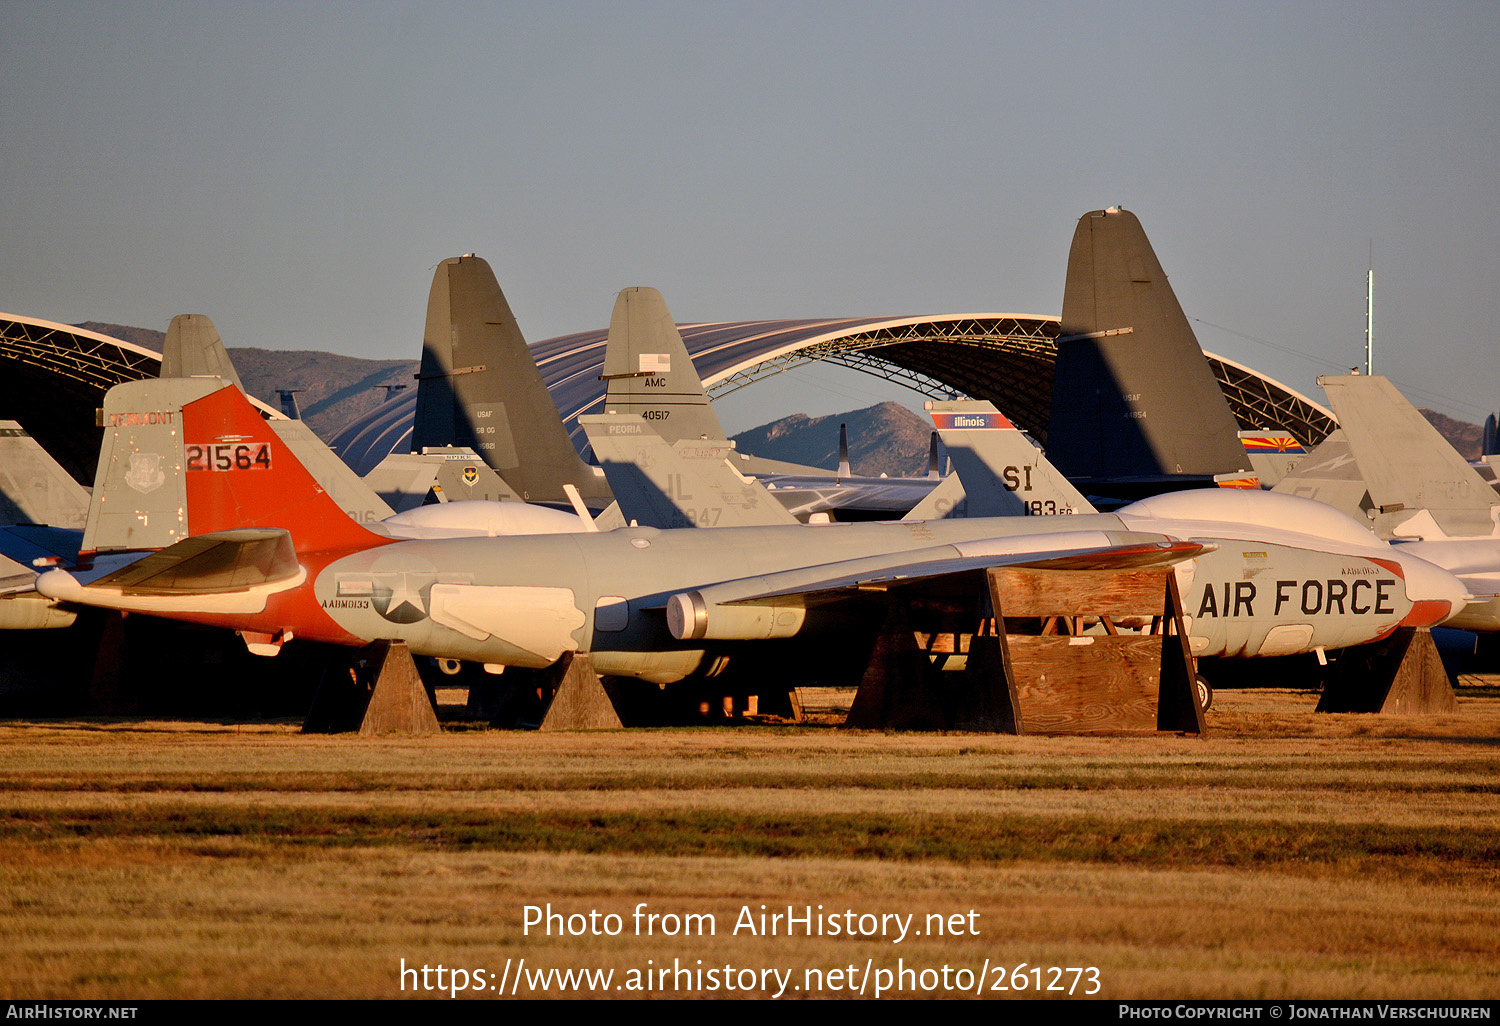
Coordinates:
x,y
336,389
886,438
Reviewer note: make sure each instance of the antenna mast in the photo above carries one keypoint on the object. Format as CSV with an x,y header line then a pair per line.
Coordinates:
x,y
1370,314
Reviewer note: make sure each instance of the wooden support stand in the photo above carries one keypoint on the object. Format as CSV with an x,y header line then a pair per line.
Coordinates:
x,y
378,693
579,700
1051,680
1400,676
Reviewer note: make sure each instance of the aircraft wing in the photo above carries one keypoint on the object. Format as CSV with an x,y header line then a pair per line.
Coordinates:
x,y
226,571
745,608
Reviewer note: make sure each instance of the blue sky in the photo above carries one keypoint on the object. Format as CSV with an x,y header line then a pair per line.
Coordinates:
x,y
296,170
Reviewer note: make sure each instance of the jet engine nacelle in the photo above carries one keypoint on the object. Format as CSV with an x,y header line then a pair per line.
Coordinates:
x,y
692,617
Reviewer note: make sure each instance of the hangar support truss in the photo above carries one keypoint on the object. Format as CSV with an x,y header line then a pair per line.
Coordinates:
x,y
1009,360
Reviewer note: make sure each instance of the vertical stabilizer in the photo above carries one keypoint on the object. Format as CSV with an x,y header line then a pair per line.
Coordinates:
x,y
1002,472
1133,394
1328,474
289,408
480,389
140,488
193,350
189,456
1272,454
1407,466
34,489
689,484
649,374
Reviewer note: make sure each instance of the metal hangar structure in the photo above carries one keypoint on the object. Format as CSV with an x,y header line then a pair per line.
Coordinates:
x,y
1005,358
53,376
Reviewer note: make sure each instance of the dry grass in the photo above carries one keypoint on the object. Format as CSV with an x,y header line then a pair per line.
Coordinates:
x,y
1286,855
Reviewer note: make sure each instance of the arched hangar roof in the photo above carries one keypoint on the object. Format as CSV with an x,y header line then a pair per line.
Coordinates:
x,y
1005,358
53,378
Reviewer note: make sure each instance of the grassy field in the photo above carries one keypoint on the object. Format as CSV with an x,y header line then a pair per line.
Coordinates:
x,y
1285,855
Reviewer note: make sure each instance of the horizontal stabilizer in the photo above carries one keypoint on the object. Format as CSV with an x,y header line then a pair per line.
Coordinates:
x,y
205,563
223,572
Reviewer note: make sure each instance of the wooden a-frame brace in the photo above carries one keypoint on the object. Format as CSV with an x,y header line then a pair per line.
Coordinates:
x,y
1398,676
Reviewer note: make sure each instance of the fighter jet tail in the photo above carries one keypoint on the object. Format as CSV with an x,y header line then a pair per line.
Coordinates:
x,y
480,389
34,489
999,472
689,484
1133,395
1410,470
1272,454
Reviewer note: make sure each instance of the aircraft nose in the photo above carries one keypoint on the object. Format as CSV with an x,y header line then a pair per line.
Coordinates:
x,y
1435,594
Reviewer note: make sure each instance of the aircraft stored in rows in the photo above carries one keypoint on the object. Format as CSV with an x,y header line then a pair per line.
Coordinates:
x,y
267,553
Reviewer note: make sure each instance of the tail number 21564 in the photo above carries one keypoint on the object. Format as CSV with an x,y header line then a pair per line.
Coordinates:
x,y
229,456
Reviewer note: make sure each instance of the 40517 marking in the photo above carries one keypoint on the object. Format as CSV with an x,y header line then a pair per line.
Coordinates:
x,y
229,456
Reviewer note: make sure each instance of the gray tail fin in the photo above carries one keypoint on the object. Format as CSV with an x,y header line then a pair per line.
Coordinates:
x,y
934,464
1133,394
34,489
648,372
1491,445
1407,466
140,489
689,484
1002,472
480,389
1329,474
844,469
193,350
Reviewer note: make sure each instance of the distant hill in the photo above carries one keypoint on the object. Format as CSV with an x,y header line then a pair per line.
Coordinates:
x,y
1468,439
886,439
143,337
338,388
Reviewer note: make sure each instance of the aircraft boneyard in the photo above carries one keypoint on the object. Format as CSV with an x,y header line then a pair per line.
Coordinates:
x,y
268,553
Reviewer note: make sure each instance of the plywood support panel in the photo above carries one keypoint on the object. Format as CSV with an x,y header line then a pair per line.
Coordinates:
x,y
1018,682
